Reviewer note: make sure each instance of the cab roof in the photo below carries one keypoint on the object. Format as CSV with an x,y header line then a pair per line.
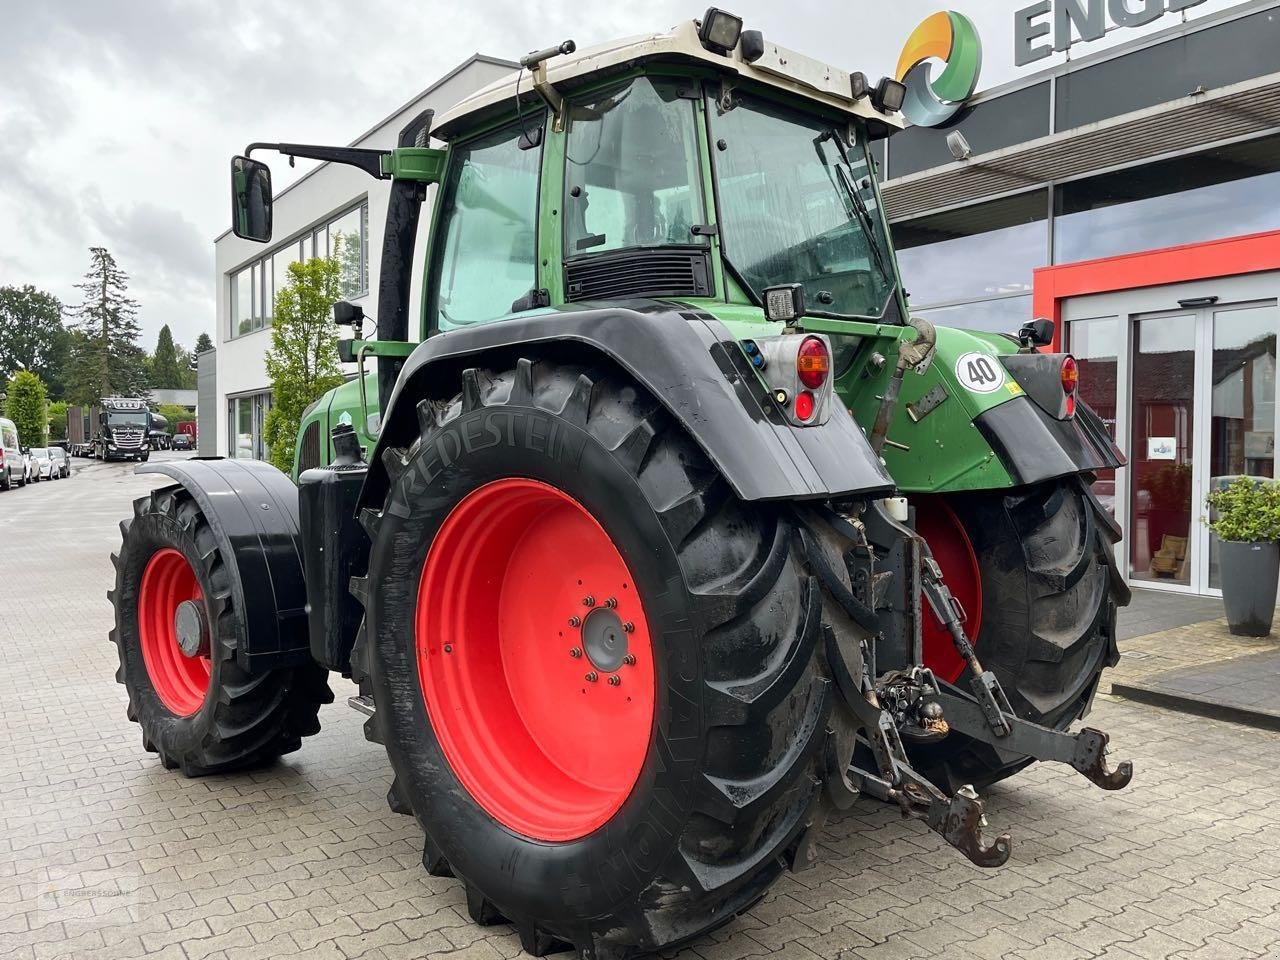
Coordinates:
x,y
778,68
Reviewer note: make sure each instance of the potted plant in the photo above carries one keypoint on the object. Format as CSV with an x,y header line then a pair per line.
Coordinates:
x,y
1246,518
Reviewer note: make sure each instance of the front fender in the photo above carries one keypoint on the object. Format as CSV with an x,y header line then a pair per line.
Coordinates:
x,y
252,509
688,361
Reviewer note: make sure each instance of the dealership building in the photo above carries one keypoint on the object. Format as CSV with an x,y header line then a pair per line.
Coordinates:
x,y
1132,195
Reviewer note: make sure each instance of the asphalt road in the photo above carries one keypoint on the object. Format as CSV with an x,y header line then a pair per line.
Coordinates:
x,y
104,854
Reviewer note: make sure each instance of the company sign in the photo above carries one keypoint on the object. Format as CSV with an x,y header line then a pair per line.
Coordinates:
x,y
950,37
1072,21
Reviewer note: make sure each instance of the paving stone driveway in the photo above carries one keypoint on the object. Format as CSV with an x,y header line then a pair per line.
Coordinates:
x,y
103,854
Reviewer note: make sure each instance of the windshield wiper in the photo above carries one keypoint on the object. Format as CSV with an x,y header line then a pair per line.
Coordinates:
x,y
857,204
864,220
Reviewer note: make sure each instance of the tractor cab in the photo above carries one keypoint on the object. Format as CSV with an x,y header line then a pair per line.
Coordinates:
x,y
665,166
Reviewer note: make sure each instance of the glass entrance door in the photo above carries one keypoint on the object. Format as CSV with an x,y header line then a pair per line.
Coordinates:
x,y
1242,383
1202,411
1162,438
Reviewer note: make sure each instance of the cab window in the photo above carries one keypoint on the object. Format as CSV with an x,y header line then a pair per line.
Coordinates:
x,y
632,174
484,253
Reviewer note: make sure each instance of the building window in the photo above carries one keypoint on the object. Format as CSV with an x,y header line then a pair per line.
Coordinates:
x,y
984,251
254,286
1225,192
246,416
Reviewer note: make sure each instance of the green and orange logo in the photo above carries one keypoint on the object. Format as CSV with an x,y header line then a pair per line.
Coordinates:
x,y
950,37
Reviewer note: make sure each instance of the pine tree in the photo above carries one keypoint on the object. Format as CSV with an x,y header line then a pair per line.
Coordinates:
x,y
203,343
166,374
107,360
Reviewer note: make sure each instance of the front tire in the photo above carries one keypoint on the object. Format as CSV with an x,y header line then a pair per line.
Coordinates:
x,y
198,708
655,827
1046,597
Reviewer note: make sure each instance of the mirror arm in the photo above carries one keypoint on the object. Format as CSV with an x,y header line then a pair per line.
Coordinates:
x,y
370,161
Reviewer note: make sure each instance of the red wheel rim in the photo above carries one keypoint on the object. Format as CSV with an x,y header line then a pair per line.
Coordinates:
x,y
542,749
947,539
181,682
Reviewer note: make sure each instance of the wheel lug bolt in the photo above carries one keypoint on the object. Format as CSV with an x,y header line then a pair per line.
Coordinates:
x,y
611,602
629,659
628,626
575,652
588,601
615,680
575,621
592,677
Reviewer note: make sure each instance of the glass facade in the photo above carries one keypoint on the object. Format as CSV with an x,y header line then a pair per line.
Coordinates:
x,y
254,286
1225,192
965,265
985,251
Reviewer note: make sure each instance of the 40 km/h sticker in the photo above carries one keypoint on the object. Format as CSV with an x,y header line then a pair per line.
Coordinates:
x,y
980,373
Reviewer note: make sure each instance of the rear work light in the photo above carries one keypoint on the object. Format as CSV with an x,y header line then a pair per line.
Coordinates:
x,y
1070,376
813,363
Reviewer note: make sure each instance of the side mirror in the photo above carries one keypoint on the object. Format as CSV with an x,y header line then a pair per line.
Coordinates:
x,y
250,199
1037,333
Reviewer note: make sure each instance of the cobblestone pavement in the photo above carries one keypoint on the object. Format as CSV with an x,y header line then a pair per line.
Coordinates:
x,y
103,854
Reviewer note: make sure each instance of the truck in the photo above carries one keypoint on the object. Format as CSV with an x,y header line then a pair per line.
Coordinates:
x,y
115,428
158,436
660,531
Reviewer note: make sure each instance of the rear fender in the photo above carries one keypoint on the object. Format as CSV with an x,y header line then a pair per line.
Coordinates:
x,y
688,361
967,423
252,510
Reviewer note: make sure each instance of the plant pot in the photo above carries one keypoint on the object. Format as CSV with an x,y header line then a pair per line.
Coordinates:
x,y
1250,573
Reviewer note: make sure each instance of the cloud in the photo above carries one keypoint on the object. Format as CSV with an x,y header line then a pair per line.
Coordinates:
x,y
117,116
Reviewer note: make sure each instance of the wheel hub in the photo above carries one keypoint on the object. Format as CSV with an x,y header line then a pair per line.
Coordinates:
x,y
191,629
604,639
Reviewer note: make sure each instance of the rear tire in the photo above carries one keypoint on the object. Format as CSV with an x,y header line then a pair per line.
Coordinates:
x,y
730,767
1048,621
206,714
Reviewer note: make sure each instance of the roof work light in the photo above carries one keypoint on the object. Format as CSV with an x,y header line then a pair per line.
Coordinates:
x,y
719,30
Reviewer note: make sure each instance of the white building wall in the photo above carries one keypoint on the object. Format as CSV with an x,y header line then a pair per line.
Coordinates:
x,y
328,190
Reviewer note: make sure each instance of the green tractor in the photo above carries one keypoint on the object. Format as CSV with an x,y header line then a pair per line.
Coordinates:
x,y
670,533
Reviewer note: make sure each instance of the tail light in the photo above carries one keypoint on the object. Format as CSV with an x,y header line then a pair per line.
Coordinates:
x,y
796,369
813,363
1070,377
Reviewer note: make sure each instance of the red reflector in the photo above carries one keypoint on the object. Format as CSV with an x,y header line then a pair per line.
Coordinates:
x,y
813,363
804,405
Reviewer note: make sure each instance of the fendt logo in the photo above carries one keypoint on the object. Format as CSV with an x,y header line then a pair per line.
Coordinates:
x,y
950,37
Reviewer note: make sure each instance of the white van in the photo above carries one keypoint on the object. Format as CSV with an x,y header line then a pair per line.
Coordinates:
x,y
13,465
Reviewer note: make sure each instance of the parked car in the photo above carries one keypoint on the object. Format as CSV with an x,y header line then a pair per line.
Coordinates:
x,y
61,461
41,464
13,465
182,441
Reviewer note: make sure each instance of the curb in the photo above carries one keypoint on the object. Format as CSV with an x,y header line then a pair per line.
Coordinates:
x,y
1188,703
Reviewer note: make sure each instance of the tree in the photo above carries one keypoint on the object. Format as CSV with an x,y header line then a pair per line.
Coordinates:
x,y
26,404
166,373
303,359
203,343
58,420
174,413
106,359
32,336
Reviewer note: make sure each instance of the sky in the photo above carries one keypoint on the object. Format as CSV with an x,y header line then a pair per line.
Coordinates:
x,y
118,117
